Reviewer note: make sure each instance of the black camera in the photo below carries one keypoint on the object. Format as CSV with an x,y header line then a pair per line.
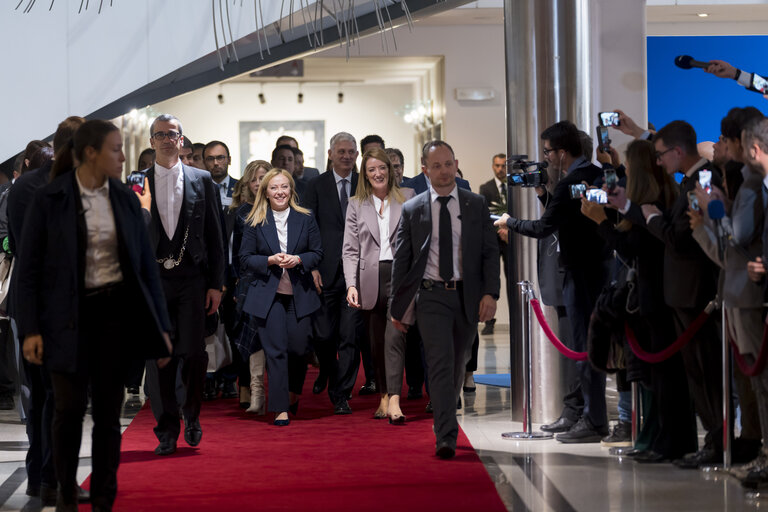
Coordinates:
x,y
525,173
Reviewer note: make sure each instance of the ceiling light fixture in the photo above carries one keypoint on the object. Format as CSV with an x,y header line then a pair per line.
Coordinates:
x,y
703,15
262,99
300,97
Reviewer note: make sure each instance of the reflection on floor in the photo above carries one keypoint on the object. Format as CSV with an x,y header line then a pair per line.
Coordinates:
x,y
529,475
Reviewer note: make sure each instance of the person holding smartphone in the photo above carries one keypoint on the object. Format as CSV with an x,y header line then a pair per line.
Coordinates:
x,y
85,260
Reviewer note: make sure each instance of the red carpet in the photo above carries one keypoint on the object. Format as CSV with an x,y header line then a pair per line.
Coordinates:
x,y
318,462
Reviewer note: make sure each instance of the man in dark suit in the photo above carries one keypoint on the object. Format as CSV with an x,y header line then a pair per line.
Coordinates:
x,y
584,256
337,325
446,257
217,160
300,173
185,233
495,193
690,279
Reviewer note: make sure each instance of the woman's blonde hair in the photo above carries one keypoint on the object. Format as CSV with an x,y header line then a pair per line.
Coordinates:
x,y
364,189
258,213
242,193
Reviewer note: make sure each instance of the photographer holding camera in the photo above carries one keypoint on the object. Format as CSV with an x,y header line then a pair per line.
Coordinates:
x,y
584,257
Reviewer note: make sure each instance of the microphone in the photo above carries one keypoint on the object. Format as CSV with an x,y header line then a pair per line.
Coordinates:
x,y
688,62
716,212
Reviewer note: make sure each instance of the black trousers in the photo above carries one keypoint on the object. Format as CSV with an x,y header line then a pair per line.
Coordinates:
x,y
379,330
338,329
285,339
447,337
39,459
414,360
102,356
702,358
186,307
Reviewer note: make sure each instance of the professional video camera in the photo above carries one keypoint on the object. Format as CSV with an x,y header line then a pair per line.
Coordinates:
x,y
529,174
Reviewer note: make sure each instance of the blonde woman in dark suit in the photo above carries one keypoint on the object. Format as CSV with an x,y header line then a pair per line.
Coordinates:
x,y
369,243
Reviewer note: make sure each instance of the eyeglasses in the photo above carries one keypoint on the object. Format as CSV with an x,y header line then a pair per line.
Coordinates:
x,y
659,155
171,134
217,158
548,151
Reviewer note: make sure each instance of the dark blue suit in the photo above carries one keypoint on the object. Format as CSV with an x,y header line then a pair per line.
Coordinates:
x,y
283,321
419,183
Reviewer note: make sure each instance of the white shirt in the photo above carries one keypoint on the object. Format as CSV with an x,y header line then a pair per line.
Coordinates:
x,y
385,248
281,224
169,194
102,262
432,271
223,188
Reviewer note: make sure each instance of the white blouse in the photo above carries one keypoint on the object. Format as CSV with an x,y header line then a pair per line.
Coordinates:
x,y
382,214
281,224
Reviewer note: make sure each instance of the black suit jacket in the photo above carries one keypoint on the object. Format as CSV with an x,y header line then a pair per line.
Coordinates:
x,y
322,197
580,244
690,277
419,183
50,282
202,212
479,250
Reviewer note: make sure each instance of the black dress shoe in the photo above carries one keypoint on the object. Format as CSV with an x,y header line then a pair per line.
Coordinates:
x,y
369,388
165,448
193,433
342,408
428,409
320,382
705,457
445,450
562,424
209,390
83,496
282,423
583,432
229,390
414,393
649,457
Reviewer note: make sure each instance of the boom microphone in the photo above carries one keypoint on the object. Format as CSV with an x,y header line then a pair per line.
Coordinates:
x,y
687,62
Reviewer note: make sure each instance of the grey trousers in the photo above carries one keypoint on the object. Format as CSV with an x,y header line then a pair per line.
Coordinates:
x,y
447,338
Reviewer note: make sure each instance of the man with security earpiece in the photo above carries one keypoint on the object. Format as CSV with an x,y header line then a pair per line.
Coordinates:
x,y
585,258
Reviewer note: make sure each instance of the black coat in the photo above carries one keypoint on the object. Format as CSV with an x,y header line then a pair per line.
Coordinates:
x,y
51,280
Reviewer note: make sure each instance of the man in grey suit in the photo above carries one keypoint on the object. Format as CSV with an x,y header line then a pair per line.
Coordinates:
x,y
447,257
185,232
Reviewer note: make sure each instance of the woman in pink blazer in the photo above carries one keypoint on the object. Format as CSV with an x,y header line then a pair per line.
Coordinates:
x,y
369,244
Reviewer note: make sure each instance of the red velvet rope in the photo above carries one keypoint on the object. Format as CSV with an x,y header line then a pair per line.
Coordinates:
x,y
570,354
670,350
762,357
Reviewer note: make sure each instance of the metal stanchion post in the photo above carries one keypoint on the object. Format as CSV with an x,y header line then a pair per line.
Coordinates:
x,y
726,399
526,290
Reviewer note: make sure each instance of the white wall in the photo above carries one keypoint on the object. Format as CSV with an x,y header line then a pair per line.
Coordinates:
x,y
366,109
474,57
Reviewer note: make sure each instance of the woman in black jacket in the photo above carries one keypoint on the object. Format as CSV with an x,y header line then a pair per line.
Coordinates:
x,y
92,301
671,433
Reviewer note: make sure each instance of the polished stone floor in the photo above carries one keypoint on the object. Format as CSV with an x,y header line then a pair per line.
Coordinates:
x,y
529,475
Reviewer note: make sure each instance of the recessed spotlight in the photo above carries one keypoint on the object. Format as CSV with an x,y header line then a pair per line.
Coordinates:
x,y
703,15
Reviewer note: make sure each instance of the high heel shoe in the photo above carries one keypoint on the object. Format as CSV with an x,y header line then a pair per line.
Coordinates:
x,y
294,408
397,420
282,423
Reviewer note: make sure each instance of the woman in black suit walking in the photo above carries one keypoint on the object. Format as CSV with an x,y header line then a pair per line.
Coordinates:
x,y
92,299
281,245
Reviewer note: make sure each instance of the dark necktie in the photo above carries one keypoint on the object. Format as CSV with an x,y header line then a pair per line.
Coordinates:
x,y
504,191
446,240
343,197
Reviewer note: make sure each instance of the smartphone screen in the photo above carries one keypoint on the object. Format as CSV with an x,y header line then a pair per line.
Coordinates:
x,y
602,138
693,201
759,83
705,180
609,118
577,190
597,195
136,181
609,178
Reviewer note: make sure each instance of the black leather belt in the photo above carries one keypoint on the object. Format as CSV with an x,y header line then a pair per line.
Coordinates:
x,y
428,284
108,290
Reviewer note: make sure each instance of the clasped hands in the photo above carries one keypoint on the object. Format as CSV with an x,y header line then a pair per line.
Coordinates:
x,y
283,260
